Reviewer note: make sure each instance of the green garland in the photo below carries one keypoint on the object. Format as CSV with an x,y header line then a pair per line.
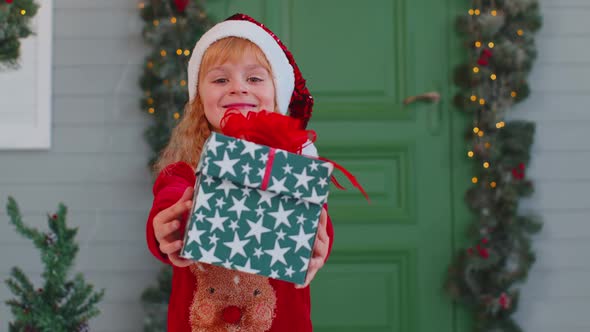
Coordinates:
x,y
15,21
172,28
499,38
61,305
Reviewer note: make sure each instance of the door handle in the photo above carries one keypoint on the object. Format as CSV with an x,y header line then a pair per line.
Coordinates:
x,y
435,118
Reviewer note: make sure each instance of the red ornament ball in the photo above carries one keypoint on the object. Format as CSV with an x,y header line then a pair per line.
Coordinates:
x,y
181,5
232,314
9,1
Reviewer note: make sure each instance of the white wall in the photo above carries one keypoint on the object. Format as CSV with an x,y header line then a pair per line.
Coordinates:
x,y
96,165
557,294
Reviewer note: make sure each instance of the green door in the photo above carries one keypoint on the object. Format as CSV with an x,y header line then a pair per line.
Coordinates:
x,y
361,60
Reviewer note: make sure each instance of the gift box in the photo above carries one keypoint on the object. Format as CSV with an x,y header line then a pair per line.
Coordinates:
x,y
256,209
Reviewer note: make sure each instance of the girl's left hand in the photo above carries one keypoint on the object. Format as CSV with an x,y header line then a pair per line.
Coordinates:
x,y
320,250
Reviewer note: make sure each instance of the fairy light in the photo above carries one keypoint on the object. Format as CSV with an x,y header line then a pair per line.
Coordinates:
x,y
176,115
486,165
493,184
493,77
173,20
520,32
487,145
470,154
491,45
474,179
478,44
482,101
480,133
150,101
23,12
179,51
513,94
494,12
473,98
477,12
476,70
151,110
187,52
500,124
163,52
141,5
471,12
182,82
150,65
475,130
156,23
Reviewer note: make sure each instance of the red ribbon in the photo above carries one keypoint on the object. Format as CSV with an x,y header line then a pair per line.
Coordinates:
x,y
280,132
268,170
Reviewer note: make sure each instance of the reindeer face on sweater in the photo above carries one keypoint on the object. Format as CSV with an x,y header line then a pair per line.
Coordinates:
x,y
229,300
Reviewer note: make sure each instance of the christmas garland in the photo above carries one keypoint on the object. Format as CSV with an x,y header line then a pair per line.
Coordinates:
x,y
172,28
15,21
499,38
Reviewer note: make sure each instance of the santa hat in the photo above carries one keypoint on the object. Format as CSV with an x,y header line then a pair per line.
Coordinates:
x,y
291,93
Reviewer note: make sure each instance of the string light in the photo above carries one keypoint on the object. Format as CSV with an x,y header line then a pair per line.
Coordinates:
x,y
473,98
491,44
173,20
176,115
151,110
141,5
150,101
476,130
494,12
487,145
23,12
480,133
493,77
478,44
500,124
513,94
156,23
475,69
179,51
493,184
477,12
182,83
187,52
163,52
482,101
474,179
486,165
470,154
150,64
471,12
520,32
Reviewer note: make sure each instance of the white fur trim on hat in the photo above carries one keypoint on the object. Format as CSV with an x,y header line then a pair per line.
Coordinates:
x,y
283,76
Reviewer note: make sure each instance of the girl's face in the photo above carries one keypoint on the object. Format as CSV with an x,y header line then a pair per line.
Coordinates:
x,y
243,84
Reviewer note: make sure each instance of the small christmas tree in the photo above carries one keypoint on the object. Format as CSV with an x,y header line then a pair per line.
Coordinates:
x,y
61,305
15,24
155,302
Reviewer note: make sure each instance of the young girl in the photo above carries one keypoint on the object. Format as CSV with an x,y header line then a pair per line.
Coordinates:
x,y
238,64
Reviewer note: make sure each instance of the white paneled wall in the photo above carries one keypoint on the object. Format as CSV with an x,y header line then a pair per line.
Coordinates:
x,y
96,165
556,296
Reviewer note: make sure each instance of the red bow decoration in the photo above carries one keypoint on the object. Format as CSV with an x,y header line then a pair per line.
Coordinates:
x,y
277,131
484,57
181,5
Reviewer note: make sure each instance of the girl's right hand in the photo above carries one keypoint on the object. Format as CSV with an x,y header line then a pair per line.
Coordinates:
x,y
166,228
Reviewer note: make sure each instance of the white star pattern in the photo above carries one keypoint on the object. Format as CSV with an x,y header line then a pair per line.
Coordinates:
x,y
315,198
239,206
247,267
246,191
297,194
322,182
213,239
289,272
199,216
305,264
236,246
303,179
208,180
194,235
259,211
274,274
188,254
277,254
302,239
249,184
250,148
246,169
217,222
213,144
301,219
226,165
265,197
313,166
287,169
258,252
304,202
263,158
226,186
203,199
281,234
231,146
256,229
219,202
233,225
227,264
281,216
208,256
278,185
261,172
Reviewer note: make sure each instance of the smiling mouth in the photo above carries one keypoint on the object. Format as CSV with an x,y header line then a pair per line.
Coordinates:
x,y
239,105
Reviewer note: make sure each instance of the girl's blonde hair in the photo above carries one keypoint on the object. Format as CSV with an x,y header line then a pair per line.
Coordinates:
x,y
188,137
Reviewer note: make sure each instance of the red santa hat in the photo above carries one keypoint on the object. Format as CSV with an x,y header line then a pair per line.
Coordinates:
x,y
292,96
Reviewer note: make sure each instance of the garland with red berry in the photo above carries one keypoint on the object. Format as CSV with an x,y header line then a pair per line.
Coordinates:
x,y
499,38
15,24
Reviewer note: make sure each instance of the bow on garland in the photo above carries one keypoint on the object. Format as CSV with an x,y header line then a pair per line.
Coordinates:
x,y
498,36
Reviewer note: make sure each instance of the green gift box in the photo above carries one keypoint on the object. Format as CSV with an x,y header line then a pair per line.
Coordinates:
x,y
256,209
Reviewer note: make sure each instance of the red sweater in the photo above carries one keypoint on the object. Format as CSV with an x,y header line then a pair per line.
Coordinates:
x,y
293,306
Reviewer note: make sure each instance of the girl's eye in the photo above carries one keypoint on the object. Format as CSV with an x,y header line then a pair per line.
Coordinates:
x,y
220,80
255,79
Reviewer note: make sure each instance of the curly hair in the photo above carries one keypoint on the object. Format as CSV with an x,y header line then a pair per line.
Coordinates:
x,y
188,137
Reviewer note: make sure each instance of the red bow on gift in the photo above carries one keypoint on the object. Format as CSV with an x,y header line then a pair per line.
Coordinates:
x,y
277,131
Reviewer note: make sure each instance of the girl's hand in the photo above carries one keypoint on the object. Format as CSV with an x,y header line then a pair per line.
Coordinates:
x,y
320,250
166,228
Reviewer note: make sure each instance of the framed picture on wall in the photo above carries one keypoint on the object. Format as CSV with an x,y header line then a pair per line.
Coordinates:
x,y
25,92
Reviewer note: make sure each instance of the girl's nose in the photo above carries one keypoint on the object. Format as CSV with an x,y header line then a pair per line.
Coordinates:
x,y
238,87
